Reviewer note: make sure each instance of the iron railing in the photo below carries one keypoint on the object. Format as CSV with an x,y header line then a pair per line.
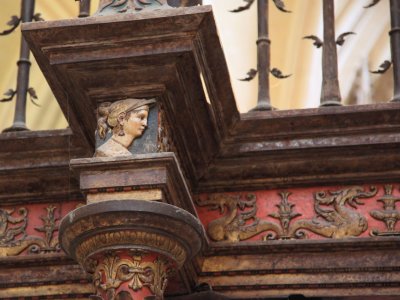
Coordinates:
x,y
330,91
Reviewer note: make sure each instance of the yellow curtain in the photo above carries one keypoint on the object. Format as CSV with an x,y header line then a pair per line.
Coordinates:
x,y
289,52
48,115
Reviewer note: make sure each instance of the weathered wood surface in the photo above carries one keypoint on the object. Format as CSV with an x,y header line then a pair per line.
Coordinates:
x,y
34,166
160,54
51,275
139,172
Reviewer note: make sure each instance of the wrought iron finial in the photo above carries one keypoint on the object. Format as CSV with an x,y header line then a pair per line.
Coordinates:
x,y
383,67
341,38
15,21
395,47
84,8
278,74
278,3
263,53
22,90
10,93
373,3
330,92
318,43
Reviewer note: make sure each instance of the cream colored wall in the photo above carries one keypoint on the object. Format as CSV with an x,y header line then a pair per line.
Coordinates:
x,y
290,52
48,115
293,55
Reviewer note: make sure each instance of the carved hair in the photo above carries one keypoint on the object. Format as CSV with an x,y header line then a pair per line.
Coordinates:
x,y
108,114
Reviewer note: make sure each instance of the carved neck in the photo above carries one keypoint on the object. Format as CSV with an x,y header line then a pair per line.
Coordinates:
x,y
125,140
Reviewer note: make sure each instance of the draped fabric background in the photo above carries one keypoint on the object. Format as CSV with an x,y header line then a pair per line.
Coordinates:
x,y
290,53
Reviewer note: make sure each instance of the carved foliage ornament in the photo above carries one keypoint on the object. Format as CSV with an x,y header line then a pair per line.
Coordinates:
x,y
113,271
112,239
13,236
336,216
9,233
388,214
129,6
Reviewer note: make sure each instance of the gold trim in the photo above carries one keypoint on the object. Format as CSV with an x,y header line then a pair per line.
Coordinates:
x,y
148,195
114,271
131,240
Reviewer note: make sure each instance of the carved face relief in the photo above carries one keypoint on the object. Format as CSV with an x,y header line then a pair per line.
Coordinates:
x,y
127,120
136,123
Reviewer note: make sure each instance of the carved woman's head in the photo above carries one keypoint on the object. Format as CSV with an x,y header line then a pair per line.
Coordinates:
x,y
123,117
127,119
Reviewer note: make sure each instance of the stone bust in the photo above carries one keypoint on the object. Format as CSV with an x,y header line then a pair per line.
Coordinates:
x,y
127,119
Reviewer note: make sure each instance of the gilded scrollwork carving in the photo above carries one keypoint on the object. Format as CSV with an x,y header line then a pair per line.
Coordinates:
x,y
285,214
49,228
336,216
13,236
113,271
11,226
233,226
389,214
145,239
341,219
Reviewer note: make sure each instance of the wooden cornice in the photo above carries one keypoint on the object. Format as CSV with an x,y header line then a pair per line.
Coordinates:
x,y
35,166
162,54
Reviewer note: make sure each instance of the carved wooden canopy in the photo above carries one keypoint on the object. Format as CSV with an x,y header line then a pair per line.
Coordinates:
x,y
164,54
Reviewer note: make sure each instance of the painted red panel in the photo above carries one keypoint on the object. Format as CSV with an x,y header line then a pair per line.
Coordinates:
x,y
32,228
338,217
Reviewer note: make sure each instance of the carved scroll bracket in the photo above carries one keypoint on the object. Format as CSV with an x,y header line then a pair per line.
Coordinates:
x,y
130,244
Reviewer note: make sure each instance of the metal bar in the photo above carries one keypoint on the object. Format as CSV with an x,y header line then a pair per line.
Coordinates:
x,y
263,58
330,93
84,8
24,64
395,46
184,3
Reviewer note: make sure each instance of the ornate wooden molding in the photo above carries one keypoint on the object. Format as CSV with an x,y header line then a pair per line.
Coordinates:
x,y
126,224
141,239
335,216
141,172
390,215
292,148
14,238
38,162
113,271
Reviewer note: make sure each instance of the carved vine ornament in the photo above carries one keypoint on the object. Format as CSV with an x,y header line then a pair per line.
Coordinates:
x,y
14,238
129,6
114,271
336,216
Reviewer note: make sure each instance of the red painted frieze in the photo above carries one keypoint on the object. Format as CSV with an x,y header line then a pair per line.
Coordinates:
x,y
301,213
33,228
